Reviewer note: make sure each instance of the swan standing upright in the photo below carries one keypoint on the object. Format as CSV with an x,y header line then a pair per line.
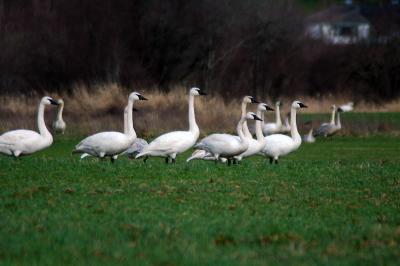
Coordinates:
x,y
273,128
278,144
327,129
171,144
256,145
226,145
203,155
59,124
111,143
23,142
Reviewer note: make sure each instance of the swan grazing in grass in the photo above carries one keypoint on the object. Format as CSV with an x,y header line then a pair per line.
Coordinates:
x,y
348,107
273,128
23,142
309,138
327,129
203,155
226,145
278,144
59,124
111,143
171,144
256,145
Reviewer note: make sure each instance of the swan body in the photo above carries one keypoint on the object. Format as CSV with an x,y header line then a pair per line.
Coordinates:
x,y
201,154
171,144
273,128
226,145
111,143
348,107
278,144
330,129
59,124
256,145
309,138
23,142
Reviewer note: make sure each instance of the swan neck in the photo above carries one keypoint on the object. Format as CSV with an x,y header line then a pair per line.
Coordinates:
x,y
333,117
192,119
41,124
259,134
293,126
338,124
278,115
130,130
60,112
126,120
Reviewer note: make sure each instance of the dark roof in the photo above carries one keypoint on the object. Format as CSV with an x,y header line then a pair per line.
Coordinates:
x,y
339,14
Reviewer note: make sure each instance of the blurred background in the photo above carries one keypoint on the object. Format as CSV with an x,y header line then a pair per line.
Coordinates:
x,y
93,52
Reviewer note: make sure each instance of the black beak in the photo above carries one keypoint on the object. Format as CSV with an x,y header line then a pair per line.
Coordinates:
x,y
340,110
257,118
53,102
254,100
269,108
302,105
142,98
202,92
134,109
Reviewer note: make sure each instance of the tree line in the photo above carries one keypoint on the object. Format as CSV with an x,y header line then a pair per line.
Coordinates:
x,y
225,46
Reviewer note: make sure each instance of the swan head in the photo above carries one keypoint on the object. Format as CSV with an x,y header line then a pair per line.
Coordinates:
x,y
278,103
264,107
340,110
48,101
60,102
333,107
298,105
249,99
136,96
196,92
252,116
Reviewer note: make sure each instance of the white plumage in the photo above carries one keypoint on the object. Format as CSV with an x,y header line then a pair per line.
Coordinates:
x,y
278,144
24,142
171,144
348,107
59,124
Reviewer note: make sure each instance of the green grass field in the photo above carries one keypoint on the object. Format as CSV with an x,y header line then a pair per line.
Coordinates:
x,y
333,202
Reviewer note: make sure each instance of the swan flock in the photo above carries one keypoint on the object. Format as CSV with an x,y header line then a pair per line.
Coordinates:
x,y
270,140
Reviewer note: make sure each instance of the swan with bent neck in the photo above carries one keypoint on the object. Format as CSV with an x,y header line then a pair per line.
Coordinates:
x,y
171,144
226,145
278,144
111,143
256,145
59,124
23,142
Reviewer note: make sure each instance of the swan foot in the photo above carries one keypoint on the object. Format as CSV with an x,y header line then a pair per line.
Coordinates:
x,y
271,160
145,159
173,160
229,162
276,161
166,160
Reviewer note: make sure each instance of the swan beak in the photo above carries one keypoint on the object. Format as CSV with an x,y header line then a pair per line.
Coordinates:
x,y
53,102
257,118
270,109
254,100
340,110
302,105
142,98
202,93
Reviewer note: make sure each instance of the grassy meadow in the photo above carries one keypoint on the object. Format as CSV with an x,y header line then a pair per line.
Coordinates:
x,y
333,202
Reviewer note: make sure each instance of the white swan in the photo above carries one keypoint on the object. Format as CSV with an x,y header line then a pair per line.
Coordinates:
x,y
278,144
171,144
273,128
226,145
256,145
309,138
327,129
111,143
22,141
59,124
348,107
203,155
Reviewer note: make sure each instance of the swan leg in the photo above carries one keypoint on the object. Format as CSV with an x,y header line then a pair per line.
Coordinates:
x,y
145,159
271,160
276,161
173,160
166,159
229,162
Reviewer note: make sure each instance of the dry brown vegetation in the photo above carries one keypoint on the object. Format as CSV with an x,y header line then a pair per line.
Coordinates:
x,y
100,107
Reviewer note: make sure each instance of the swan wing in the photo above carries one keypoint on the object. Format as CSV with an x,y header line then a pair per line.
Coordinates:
x,y
19,135
109,143
222,144
169,143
